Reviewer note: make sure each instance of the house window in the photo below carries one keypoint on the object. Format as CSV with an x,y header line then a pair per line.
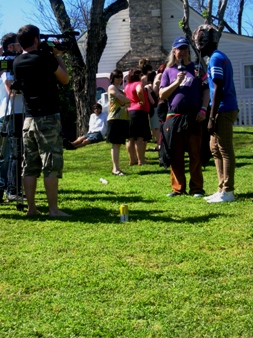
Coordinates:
x,y
248,73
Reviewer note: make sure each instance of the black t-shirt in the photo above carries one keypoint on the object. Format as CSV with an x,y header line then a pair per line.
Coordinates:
x,y
34,72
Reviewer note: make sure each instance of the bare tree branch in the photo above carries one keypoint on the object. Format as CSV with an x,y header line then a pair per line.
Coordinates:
x,y
221,11
208,19
239,25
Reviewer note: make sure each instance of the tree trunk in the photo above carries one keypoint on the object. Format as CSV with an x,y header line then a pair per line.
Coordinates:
x,y
77,64
187,31
84,74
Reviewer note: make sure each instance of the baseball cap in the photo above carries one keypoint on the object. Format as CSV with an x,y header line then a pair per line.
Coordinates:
x,y
181,41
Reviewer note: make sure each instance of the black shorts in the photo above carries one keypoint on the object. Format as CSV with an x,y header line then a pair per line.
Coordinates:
x,y
117,131
139,125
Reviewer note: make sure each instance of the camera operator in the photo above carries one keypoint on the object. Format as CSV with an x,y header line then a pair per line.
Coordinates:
x,y
10,162
37,71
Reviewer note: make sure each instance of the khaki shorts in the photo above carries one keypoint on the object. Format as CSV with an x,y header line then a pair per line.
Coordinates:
x,y
43,150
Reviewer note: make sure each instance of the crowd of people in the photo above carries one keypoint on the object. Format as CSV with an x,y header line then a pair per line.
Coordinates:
x,y
167,106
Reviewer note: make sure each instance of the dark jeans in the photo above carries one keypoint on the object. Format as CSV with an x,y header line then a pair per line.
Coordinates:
x,y
4,163
14,181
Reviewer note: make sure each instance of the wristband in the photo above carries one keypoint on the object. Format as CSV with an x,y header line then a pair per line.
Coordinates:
x,y
211,118
202,111
57,54
203,108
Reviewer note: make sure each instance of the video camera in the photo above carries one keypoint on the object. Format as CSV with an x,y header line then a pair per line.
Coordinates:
x,y
6,61
65,45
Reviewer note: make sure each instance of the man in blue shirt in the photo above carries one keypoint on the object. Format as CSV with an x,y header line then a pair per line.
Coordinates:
x,y
224,111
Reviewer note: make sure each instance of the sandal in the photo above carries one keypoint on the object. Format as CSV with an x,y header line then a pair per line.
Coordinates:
x,y
118,173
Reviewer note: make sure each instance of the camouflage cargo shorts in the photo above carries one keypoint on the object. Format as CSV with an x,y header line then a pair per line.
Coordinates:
x,y
43,150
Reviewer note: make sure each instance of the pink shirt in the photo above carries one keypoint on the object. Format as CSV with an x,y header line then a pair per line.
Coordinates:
x,y
131,93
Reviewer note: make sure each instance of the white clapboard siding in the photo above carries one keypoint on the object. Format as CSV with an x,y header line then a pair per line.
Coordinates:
x,y
118,42
172,14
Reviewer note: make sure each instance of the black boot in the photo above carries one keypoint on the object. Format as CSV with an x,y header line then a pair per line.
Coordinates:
x,y
1,196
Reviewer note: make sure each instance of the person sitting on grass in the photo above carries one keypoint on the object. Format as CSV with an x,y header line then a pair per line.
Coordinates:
x,y
97,129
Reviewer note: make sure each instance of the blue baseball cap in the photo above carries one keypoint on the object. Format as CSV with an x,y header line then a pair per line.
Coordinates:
x,y
181,41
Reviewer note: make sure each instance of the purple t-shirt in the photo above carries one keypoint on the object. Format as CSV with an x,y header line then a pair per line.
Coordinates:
x,y
187,98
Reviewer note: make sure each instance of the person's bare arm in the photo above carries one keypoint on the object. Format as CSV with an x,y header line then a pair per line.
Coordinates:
x,y
112,90
150,97
156,83
217,96
201,116
61,72
7,85
140,94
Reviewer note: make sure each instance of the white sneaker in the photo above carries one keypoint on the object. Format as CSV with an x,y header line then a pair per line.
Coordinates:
x,y
223,197
210,197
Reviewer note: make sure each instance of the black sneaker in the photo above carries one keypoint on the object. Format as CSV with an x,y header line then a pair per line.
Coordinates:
x,y
1,196
68,145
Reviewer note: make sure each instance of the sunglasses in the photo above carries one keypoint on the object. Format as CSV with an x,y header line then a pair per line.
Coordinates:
x,y
118,76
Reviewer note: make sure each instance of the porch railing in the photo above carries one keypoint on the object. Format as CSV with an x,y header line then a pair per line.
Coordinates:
x,y
245,116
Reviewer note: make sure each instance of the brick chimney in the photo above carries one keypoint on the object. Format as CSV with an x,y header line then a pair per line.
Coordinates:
x,y
145,34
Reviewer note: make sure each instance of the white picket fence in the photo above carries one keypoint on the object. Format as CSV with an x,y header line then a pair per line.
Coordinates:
x,y
245,116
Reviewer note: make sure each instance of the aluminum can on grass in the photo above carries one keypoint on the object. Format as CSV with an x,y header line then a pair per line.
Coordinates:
x,y
124,213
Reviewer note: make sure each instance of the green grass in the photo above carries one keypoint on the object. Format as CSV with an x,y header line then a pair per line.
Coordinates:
x,y
179,268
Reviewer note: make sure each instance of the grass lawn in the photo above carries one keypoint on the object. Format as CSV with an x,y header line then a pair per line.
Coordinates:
x,y
179,268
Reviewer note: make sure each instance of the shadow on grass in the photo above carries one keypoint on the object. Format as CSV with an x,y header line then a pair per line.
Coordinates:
x,y
96,215
240,165
244,196
103,195
159,171
244,132
81,212
162,216
244,157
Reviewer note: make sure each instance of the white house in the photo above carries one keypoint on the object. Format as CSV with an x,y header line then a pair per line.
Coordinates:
x,y
122,29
